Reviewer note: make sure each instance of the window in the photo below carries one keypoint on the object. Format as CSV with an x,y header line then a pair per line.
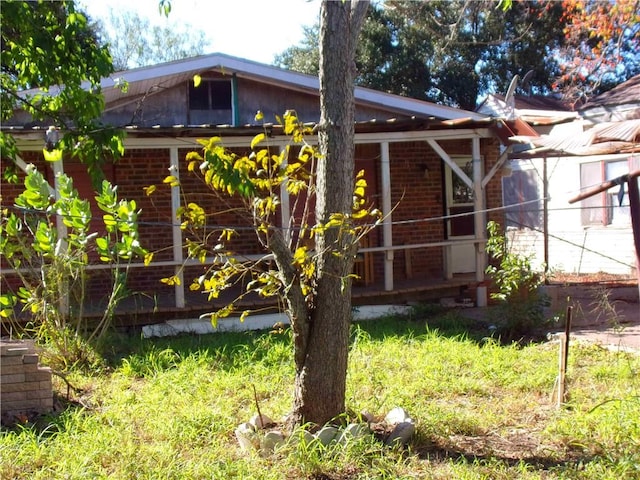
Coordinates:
x,y
606,208
521,197
210,102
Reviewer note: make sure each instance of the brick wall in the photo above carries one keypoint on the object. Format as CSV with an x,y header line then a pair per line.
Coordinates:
x,y
418,201
25,387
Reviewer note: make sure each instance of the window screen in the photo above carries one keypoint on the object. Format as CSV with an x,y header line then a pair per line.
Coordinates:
x,y
521,196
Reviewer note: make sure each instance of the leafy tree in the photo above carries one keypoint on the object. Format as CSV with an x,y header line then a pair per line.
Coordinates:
x,y
322,339
51,68
602,45
48,51
314,254
50,262
133,42
450,51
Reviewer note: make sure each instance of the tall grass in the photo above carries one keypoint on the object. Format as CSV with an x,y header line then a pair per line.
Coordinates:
x,y
167,408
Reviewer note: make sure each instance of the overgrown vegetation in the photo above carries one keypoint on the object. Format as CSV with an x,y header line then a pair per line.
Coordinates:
x,y
168,407
47,240
521,301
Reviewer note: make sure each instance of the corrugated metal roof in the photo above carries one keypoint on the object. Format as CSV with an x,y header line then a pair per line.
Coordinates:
x,y
604,138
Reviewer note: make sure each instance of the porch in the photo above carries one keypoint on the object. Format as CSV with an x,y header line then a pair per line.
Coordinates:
x,y
142,309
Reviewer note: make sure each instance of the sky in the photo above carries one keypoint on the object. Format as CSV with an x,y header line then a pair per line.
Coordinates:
x,y
251,29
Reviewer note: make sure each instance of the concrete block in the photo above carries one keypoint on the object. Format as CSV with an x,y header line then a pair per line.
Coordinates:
x,y
14,378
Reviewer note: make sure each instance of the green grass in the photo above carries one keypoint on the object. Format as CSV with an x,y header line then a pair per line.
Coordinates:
x,y
167,408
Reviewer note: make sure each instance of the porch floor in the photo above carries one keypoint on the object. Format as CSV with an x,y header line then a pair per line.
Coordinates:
x,y
139,309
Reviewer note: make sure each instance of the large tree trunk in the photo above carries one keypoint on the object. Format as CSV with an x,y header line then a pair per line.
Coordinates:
x,y
320,382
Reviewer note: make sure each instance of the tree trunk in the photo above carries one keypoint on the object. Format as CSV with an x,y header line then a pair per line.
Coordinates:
x,y
320,382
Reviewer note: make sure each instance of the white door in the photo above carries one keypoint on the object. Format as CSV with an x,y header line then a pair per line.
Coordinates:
x,y
460,222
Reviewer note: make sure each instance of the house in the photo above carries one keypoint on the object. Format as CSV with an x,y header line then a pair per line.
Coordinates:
x,y
570,152
434,171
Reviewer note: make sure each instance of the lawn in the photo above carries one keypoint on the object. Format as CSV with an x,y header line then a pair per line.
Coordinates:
x,y
167,408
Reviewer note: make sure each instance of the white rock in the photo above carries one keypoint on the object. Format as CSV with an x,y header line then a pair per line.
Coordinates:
x,y
271,440
353,430
326,435
397,415
247,437
401,434
260,421
301,436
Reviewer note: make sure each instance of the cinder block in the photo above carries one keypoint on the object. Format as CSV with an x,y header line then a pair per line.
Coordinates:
x,y
14,396
45,385
21,405
20,387
12,350
10,361
38,394
13,369
46,404
38,376
15,378
30,358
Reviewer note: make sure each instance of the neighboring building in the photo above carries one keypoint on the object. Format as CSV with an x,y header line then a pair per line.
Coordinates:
x,y
424,164
575,150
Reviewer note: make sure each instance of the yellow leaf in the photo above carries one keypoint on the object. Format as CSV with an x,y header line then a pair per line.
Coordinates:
x,y
257,139
259,116
196,80
244,315
147,259
172,181
53,155
149,190
300,255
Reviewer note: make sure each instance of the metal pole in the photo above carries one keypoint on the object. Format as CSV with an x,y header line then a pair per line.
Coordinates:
x,y
634,204
545,217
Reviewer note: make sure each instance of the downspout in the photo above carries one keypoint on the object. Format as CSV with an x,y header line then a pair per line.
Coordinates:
x,y
175,229
387,226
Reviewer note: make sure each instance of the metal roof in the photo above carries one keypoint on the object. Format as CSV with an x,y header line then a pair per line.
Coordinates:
x,y
149,80
603,138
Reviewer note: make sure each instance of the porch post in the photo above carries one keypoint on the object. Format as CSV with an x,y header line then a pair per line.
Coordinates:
x,y
63,305
175,228
387,227
285,207
479,217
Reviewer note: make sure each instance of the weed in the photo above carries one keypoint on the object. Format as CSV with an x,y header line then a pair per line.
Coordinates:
x,y
521,302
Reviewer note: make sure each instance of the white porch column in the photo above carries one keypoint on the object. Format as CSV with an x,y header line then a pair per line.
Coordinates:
x,y
479,206
285,207
387,228
58,169
175,228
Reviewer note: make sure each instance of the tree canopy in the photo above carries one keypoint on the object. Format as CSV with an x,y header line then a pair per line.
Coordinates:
x,y
133,42
51,67
453,52
602,47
